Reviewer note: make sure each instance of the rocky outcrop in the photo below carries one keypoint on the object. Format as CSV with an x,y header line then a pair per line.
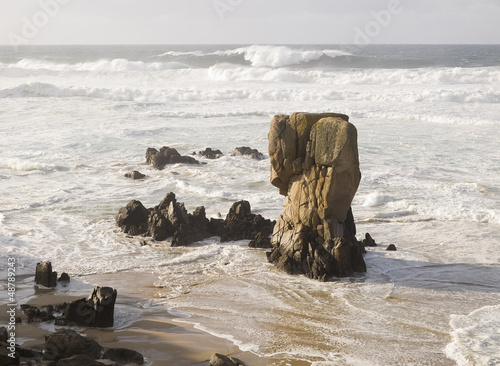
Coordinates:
x,y
44,275
170,219
248,151
95,311
167,155
209,153
315,164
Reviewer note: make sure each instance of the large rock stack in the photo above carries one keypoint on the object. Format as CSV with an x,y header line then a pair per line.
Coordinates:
x,y
315,164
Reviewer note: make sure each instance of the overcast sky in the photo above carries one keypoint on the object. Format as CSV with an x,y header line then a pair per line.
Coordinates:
x,y
248,21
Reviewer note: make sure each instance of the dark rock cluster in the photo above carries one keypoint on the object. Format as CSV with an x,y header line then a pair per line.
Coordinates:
x,y
66,347
170,219
95,311
46,277
248,151
167,155
209,153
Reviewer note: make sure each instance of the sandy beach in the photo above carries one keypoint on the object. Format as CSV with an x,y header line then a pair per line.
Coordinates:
x,y
158,335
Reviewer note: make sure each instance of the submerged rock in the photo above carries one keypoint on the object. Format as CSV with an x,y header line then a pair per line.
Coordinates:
x,y
391,247
135,175
314,163
167,155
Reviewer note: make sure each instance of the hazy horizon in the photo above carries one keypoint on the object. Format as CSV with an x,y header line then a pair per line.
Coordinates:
x,y
169,22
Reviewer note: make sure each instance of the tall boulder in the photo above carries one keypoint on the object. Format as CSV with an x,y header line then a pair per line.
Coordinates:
x,y
44,275
315,164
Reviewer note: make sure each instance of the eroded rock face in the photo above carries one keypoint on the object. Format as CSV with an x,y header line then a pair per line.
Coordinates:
x,y
315,164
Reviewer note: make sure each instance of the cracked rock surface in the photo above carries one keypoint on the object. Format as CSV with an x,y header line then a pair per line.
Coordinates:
x,y
315,164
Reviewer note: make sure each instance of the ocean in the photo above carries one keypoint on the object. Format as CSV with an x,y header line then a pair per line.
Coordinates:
x,y
75,119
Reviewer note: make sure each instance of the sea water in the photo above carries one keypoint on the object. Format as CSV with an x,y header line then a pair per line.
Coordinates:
x,y
75,119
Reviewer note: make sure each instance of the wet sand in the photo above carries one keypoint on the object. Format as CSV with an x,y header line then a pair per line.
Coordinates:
x,y
139,324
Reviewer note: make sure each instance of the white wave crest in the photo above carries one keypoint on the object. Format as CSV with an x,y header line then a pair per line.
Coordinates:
x,y
279,56
115,65
266,55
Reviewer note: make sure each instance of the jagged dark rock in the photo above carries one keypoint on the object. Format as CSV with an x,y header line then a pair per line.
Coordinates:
x,y
133,218
171,220
241,224
368,241
248,151
314,163
211,154
44,275
391,247
95,311
167,155
135,175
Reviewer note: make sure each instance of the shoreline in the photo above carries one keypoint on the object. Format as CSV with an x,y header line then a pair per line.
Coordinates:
x,y
139,324
151,331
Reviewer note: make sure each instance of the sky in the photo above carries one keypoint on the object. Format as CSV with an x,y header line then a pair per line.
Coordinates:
x,y
37,22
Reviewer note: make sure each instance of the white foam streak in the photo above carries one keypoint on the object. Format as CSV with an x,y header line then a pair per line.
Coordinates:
x,y
21,165
476,337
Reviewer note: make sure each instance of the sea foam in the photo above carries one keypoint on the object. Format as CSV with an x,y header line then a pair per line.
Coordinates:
x,y
476,337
